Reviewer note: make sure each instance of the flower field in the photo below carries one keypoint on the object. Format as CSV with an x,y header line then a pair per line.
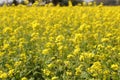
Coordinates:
x,y
60,43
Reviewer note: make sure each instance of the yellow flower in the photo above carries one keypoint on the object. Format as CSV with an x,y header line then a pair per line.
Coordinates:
x,y
50,4
35,25
100,46
78,38
67,63
97,65
1,54
34,36
105,40
70,56
17,63
11,72
7,30
23,57
106,72
6,46
90,55
76,51
8,66
51,39
58,61
95,69
78,71
70,3
95,74
53,58
59,38
115,67
113,49
54,78
60,48
46,72
114,73
24,78
1,72
109,35
50,65
81,58
49,44
3,75
45,51
69,73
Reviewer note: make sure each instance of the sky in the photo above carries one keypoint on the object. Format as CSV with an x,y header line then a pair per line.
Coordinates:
x,y
88,0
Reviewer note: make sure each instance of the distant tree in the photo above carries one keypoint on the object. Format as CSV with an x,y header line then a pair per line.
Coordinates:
x,y
108,2
10,2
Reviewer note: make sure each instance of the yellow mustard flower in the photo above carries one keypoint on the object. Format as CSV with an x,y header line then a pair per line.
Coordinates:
x,y
69,73
115,67
17,63
70,56
45,51
11,72
78,71
3,75
60,38
46,72
54,78
24,78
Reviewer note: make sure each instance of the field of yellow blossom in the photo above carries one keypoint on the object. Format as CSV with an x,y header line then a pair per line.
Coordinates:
x,y
60,43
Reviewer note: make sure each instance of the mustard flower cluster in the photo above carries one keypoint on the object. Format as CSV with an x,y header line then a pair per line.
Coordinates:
x,y
60,43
